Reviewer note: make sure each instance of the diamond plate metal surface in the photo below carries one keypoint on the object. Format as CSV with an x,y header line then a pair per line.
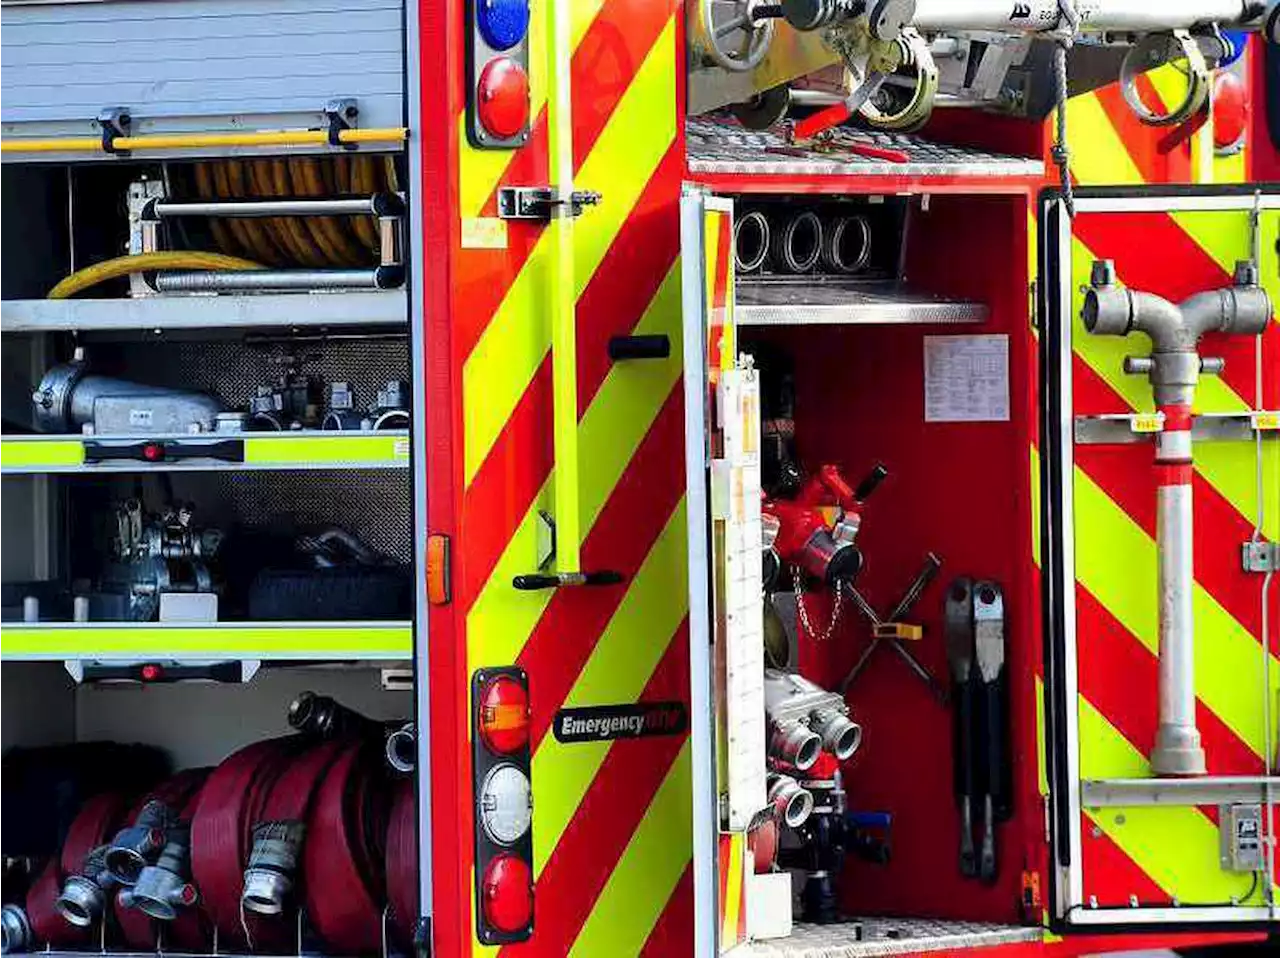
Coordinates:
x,y
720,148
888,936
812,301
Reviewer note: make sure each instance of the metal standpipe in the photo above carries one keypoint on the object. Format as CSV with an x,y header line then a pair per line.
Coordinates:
x,y
1173,369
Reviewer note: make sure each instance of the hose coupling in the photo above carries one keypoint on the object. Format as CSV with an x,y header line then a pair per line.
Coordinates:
x,y
794,745
792,803
325,717
402,748
840,736
136,846
273,861
164,887
84,896
15,930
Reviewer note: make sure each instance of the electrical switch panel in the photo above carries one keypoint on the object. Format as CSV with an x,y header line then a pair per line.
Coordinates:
x,y
1241,834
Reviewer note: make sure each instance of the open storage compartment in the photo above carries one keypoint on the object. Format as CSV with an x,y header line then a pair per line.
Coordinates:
x,y
921,362
274,789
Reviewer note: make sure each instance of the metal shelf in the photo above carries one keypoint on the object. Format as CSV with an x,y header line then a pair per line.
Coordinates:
x,y
310,449
358,308
819,301
721,149
856,937
134,641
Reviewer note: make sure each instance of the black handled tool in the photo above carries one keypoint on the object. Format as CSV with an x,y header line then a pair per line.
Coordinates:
x,y
960,656
988,633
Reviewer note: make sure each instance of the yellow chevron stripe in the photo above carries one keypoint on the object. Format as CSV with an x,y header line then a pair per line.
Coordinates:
x,y
1116,562
1228,467
513,345
731,907
645,876
1034,462
1105,161
1185,867
620,666
1042,741
480,170
501,619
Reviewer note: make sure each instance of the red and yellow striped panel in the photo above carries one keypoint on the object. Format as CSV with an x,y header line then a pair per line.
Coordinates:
x,y
611,828
1152,855
732,864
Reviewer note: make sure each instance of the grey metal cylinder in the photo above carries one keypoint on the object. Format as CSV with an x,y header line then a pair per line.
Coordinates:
x,y
379,204
68,398
269,280
402,748
840,736
273,862
795,245
792,803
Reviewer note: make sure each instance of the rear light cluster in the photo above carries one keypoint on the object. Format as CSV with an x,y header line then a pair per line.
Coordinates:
x,y
498,73
503,805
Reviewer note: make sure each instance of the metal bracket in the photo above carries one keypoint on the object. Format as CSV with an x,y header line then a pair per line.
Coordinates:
x,y
542,202
115,122
340,114
1263,557
1129,428
546,538
1209,790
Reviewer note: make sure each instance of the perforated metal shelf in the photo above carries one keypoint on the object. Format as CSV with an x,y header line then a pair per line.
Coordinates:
x,y
888,936
720,149
814,301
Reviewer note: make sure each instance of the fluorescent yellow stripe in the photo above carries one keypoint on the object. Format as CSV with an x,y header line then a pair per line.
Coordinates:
x,y
514,343
619,668
393,640
337,448
40,453
1116,562
732,892
1099,157
1176,846
1036,513
1228,467
480,170
641,884
501,619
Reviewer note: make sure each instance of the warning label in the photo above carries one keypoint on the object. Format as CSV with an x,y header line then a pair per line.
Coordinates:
x,y
603,723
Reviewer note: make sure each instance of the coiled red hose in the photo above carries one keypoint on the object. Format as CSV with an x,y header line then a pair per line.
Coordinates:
x,y
222,828
96,821
402,862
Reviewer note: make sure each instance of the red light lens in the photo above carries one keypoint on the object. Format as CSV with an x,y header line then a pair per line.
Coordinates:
x,y
152,452
1230,110
502,98
150,673
504,715
507,891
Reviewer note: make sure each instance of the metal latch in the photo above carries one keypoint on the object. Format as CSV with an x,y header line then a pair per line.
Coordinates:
x,y
1260,556
542,202
340,113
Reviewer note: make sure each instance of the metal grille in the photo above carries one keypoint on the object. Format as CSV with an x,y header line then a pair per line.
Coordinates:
x,y
888,936
232,369
719,148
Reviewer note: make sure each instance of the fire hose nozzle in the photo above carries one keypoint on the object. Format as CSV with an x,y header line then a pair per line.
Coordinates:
x,y
402,748
137,845
15,930
164,887
273,861
792,803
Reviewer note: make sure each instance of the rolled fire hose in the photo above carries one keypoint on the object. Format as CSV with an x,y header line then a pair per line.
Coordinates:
x,y
846,245
266,897
94,824
342,857
402,863
796,243
750,241
231,803
81,903
141,263
136,926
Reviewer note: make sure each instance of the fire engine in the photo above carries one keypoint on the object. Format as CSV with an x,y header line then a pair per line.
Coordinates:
x,y
639,477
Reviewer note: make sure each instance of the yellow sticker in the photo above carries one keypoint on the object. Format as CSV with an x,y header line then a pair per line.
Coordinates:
x,y
1147,422
1266,420
401,449
484,232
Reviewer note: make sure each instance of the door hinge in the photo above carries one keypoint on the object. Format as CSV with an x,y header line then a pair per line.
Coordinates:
x,y
542,202
1261,557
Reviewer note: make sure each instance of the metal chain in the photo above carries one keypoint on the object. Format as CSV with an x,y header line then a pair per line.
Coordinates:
x,y
803,614
1064,35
